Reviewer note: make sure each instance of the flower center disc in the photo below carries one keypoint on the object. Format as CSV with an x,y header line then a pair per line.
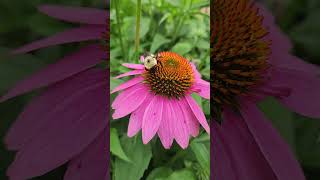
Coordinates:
x,y
238,51
172,76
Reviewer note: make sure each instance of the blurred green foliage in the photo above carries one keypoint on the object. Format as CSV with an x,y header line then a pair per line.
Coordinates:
x,y
167,25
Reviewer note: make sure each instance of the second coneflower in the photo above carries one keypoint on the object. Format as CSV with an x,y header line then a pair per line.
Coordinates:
x,y
159,99
250,61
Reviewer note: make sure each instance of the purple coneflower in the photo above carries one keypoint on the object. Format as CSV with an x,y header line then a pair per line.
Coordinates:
x,y
68,121
159,99
250,61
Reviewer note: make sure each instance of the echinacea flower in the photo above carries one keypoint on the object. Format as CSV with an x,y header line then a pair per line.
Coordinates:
x,y
250,61
67,122
159,99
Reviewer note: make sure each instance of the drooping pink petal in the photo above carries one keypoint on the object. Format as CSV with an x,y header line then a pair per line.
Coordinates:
x,y
222,166
274,149
152,118
304,96
75,14
130,73
198,113
81,60
244,159
91,163
131,103
165,131
78,34
128,84
133,66
191,121
135,121
179,124
36,114
69,129
202,88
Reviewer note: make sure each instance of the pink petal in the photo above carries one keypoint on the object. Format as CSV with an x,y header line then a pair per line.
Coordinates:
x,y
78,34
69,129
142,59
165,130
202,88
281,46
131,104
130,73
75,14
152,118
223,166
35,115
304,96
135,121
274,149
123,96
70,65
91,163
198,113
244,159
191,121
197,75
179,124
128,84
133,66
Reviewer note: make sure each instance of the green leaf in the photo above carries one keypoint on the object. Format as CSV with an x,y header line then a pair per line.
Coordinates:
x,y
114,83
45,25
202,155
140,156
182,48
307,35
204,45
197,98
308,141
129,27
184,174
115,146
16,67
160,172
177,3
280,117
158,40
202,138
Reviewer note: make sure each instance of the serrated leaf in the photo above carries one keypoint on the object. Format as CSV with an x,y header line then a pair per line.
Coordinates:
x,y
202,155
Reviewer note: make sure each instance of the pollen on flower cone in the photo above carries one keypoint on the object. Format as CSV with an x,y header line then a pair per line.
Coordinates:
x,y
239,51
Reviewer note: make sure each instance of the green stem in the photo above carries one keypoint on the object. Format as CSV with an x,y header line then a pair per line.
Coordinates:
x,y
119,29
137,38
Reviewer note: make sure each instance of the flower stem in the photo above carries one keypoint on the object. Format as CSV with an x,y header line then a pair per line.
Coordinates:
x,y
119,29
137,38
